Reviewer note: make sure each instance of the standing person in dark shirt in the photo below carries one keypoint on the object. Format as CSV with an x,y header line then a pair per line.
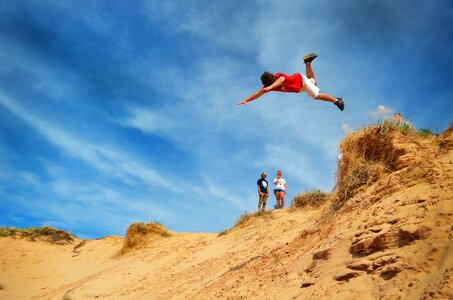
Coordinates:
x,y
263,191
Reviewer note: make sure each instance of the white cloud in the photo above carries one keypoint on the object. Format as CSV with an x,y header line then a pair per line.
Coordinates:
x,y
306,169
113,163
381,111
110,162
47,76
222,193
145,119
346,128
187,95
224,24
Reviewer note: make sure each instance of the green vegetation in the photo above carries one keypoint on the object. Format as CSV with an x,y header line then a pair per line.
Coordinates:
x,y
404,127
425,132
45,232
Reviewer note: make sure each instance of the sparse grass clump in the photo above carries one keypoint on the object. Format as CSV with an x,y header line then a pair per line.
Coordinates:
x,y
425,132
313,199
7,231
34,233
247,218
138,234
404,127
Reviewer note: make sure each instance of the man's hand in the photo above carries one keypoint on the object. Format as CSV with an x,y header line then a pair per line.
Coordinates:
x,y
242,103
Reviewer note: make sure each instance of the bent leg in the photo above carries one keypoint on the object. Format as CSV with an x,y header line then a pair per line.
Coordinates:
x,y
310,73
326,97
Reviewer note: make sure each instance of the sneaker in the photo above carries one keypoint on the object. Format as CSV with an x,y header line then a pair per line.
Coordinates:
x,y
308,58
340,103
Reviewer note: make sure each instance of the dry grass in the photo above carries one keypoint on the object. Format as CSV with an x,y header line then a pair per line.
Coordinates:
x,y
43,233
138,234
366,156
313,199
248,218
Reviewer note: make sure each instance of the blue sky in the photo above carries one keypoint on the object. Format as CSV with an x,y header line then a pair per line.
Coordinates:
x,y
114,112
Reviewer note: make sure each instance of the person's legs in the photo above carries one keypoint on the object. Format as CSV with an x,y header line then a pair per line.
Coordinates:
x,y
260,201
310,73
326,97
310,84
282,199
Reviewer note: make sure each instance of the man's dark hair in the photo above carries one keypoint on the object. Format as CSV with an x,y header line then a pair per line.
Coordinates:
x,y
267,78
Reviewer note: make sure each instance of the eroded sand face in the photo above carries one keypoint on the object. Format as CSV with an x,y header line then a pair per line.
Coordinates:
x,y
392,241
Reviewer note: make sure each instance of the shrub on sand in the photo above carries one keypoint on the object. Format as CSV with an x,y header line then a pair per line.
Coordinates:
x,y
309,199
246,218
138,234
425,132
369,154
404,127
366,156
7,231
43,233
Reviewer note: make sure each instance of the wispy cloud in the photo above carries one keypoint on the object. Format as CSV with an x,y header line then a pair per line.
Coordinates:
x,y
381,112
132,106
108,161
145,119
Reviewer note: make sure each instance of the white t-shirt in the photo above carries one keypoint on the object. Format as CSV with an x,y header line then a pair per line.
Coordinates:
x,y
280,184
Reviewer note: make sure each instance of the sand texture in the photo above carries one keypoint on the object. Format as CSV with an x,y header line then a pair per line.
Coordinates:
x,y
391,240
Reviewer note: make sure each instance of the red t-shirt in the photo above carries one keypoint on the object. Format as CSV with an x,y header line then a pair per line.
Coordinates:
x,y
292,84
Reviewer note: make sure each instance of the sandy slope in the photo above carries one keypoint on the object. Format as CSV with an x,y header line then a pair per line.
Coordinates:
x,y
392,241
173,267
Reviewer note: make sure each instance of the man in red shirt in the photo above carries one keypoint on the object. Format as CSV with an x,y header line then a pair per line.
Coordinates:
x,y
296,83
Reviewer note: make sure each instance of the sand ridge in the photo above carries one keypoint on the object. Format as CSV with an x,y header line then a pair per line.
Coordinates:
x,y
393,240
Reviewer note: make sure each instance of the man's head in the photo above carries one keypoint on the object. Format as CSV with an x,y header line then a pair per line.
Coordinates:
x,y
263,175
267,78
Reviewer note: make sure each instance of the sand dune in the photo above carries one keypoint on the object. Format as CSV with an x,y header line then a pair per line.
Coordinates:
x,y
392,240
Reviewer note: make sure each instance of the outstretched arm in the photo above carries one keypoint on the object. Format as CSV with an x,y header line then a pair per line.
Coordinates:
x,y
262,91
252,97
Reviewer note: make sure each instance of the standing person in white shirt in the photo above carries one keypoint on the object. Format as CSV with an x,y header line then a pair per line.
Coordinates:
x,y
279,190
